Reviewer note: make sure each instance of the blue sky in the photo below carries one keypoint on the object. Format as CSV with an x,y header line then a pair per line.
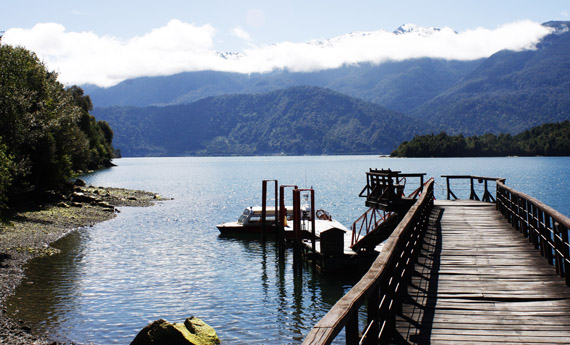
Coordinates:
x,y
246,27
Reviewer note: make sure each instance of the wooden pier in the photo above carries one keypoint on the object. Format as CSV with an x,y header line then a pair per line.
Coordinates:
x,y
477,280
495,271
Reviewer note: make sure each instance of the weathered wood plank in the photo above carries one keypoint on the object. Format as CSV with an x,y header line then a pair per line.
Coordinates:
x,y
477,280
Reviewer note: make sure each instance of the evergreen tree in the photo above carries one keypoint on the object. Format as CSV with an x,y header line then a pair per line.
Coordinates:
x,y
46,131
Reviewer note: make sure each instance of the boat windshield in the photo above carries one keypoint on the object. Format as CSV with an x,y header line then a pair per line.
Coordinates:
x,y
244,216
242,219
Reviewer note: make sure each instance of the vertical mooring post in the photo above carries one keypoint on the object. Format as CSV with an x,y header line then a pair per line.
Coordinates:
x,y
296,230
283,213
313,228
303,216
264,206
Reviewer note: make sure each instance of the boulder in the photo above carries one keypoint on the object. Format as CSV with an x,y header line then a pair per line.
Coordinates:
x,y
79,182
192,332
81,197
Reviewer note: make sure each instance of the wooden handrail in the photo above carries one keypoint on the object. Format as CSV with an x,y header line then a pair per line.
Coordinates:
x,y
546,228
473,195
381,285
369,221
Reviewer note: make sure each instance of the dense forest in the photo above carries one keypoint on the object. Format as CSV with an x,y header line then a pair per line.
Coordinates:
x,y
292,121
508,92
552,139
46,131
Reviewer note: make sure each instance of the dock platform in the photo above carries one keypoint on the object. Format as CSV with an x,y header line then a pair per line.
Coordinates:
x,y
477,280
494,270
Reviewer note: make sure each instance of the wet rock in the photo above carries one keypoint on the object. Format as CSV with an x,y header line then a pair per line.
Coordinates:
x,y
81,197
193,331
79,182
106,205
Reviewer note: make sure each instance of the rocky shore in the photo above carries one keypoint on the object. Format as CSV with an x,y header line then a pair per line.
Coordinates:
x,y
29,234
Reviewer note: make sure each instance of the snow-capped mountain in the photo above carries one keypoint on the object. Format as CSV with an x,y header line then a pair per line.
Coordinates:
x,y
416,29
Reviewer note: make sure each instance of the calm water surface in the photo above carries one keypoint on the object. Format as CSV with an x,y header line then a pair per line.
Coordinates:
x,y
169,261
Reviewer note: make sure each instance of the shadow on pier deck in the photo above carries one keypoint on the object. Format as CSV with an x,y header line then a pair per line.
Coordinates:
x,y
478,281
495,271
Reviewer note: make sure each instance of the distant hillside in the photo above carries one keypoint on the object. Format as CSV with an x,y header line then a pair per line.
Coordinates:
x,y
399,86
551,139
228,113
509,92
298,120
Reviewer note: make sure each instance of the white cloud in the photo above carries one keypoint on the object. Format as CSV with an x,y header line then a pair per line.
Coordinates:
x,y
84,57
241,34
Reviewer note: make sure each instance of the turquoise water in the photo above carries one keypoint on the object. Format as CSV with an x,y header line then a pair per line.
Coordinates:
x,y
169,261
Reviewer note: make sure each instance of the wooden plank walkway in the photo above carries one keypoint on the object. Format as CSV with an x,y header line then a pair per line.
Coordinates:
x,y
477,280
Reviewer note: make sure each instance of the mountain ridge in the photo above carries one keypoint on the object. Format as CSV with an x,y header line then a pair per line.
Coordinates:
x,y
509,92
298,120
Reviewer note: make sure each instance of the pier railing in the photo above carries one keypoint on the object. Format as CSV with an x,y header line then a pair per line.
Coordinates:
x,y
487,196
381,286
369,221
545,228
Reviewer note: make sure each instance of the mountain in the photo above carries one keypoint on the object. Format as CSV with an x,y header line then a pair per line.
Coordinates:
x,y
272,113
297,120
419,30
400,86
508,92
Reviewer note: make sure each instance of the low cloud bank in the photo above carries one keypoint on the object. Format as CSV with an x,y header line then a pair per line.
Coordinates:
x,y
85,57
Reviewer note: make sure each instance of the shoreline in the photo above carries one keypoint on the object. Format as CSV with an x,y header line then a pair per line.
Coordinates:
x,y
29,234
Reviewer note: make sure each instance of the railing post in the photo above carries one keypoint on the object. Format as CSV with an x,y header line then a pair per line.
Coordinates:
x,y
548,238
546,229
542,233
448,190
558,249
351,329
517,213
499,195
524,217
509,208
565,252
534,226
473,195
373,302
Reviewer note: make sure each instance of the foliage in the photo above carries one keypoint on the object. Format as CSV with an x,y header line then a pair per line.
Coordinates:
x,y
546,140
294,121
397,85
508,92
5,175
46,130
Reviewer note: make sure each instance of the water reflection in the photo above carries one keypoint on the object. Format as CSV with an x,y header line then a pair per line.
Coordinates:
x,y
299,296
169,261
51,285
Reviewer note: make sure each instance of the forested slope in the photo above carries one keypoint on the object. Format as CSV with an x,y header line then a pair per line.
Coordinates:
x,y
46,131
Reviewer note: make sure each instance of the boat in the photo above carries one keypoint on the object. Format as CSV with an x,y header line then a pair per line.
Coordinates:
x,y
250,222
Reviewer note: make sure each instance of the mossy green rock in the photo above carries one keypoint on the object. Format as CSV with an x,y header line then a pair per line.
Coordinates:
x,y
192,332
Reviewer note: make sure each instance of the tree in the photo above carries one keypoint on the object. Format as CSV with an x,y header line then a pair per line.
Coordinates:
x,y
46,131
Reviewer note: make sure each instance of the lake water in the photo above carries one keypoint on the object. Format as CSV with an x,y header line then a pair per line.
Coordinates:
x,y
169,261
